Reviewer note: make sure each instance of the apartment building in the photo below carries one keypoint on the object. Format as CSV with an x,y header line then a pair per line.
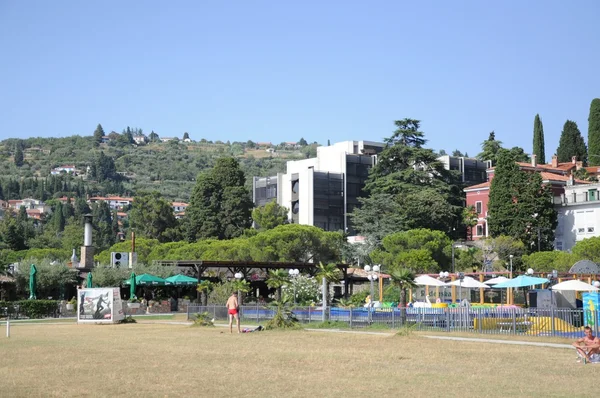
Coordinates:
x,y
578,211
322,191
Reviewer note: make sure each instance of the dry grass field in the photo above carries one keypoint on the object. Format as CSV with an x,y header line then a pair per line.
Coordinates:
x,y
161,360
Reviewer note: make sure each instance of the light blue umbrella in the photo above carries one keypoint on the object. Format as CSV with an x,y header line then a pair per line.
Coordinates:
x,y
521,281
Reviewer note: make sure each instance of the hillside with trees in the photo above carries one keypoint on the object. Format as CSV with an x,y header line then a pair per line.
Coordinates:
x,y
116,164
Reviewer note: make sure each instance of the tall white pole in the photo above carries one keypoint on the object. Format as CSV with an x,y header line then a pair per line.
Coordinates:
x,y
8,326
324,298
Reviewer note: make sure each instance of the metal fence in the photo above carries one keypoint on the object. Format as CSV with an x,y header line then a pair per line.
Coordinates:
x,y
513,321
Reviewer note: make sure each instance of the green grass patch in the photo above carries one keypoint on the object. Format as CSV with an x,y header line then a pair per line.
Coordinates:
x,y
153,317
328,325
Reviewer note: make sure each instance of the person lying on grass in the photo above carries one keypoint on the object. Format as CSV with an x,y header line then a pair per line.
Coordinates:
x,y
588,347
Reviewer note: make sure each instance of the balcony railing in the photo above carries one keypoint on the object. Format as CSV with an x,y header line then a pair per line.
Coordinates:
x,y
576,198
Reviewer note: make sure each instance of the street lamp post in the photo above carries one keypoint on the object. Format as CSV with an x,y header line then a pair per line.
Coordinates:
x,y
293,274
460,276
239,276
453,246
510,275
372,276
443,276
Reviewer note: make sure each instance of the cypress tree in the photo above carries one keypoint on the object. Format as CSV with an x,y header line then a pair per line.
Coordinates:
x,y
538,140
19,156
508,181
571,144
594,133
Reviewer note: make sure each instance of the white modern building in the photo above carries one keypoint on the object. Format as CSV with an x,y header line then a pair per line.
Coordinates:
x,y
578,215
472,171
322,191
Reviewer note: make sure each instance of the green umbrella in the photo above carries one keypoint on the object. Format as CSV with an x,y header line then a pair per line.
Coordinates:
x,y
32,281
147,279
131,283
89,280
181,279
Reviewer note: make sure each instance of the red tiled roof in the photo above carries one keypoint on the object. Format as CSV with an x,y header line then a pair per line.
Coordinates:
x,y
592,169
180,204
478,186
557,177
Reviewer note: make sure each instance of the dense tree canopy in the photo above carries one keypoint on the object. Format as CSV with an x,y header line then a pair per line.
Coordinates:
x,y
152,217
421,250
520,205
220,205
269,216
409,187
571,144
594,133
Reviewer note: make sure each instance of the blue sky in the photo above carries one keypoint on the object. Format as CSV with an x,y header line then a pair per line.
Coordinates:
x,y
280,70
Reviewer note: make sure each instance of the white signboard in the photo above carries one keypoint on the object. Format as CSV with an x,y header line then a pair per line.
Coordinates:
x,y
99,305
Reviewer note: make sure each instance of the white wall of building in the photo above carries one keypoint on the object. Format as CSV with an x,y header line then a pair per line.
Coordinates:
x,y
329,159
578,216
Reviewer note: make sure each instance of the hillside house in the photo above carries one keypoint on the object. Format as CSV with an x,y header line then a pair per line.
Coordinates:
x,y
179,206
70,168
140,139
114,202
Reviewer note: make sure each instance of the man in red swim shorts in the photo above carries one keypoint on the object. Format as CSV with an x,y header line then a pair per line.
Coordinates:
x,y
233,309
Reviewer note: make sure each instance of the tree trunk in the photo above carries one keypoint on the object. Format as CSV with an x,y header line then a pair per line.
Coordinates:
x,y
278,295
402,306
204,298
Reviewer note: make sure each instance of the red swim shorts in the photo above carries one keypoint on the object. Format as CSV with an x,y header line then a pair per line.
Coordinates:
x,y
233,311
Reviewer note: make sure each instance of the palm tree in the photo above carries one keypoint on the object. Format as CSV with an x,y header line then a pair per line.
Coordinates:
x,y
331,273
204,287
276,279
404,279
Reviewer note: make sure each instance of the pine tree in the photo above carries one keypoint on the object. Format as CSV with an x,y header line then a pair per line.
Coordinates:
x,y
571,144
186,136
538,140
98,134
490,149
594,133
220,205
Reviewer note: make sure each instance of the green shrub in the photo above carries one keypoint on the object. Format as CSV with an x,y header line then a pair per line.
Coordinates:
x,y
31,308
407,329
203,319
128,319
358,299
283,319
330,325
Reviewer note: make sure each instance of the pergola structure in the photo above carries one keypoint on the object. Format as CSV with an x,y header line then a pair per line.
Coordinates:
x,y
249,268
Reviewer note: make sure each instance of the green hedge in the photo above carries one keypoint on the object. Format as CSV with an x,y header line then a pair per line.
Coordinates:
x,y
30,308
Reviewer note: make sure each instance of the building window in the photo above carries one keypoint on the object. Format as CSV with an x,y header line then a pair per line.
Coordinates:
x,y
478,207
559,246
479,230
590,230
592,195
580,230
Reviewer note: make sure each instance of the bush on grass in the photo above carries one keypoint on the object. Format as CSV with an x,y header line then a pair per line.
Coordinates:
x,y
283,319
204,319
31,308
